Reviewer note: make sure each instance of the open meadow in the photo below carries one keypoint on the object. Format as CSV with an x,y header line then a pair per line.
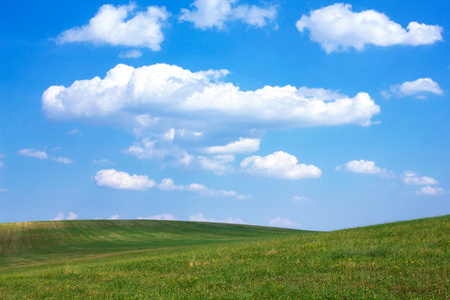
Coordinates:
x,y
143,259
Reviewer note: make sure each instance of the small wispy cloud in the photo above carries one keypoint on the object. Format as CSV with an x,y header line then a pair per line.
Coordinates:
x,y
282,222
430,191
199,217
114,217
163,216
74,132
130,54
62,160
33,153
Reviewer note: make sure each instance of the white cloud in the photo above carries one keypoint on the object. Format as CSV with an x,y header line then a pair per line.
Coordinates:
x,y
215,13
164,97
199,217
412,178
3,190
33,153
337,28
430,191
418,88
72,216
167,184
62,160
130,54
1,164
280,165
123,26
280,222
241,146
121,180
114,217
163,216
362,166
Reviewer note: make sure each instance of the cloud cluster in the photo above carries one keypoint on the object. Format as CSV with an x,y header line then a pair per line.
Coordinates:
x,y
121,180
338,28
123,26
418,88
179,114
215,13
279,165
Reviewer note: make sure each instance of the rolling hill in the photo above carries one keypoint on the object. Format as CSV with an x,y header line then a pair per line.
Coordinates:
x,y
183,260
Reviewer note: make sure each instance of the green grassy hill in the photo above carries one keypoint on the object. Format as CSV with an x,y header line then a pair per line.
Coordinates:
x,y
182,260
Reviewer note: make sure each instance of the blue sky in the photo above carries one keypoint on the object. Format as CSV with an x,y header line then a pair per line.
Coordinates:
x,y
304,114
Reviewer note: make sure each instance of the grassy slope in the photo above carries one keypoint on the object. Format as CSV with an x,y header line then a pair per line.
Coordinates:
x,y
403,260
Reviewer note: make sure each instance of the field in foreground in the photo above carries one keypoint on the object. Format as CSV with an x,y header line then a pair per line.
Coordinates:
x,y
402,260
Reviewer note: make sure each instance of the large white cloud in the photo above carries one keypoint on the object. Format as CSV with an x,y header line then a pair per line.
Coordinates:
x,y
215,13
121,26
122,180
337,27
418,88
412,178
279,165
361,166
164,96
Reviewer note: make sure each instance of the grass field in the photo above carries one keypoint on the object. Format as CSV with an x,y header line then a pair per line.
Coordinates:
x,y
183,260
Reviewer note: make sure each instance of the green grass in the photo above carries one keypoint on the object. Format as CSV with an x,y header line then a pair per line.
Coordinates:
x,y
182,260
